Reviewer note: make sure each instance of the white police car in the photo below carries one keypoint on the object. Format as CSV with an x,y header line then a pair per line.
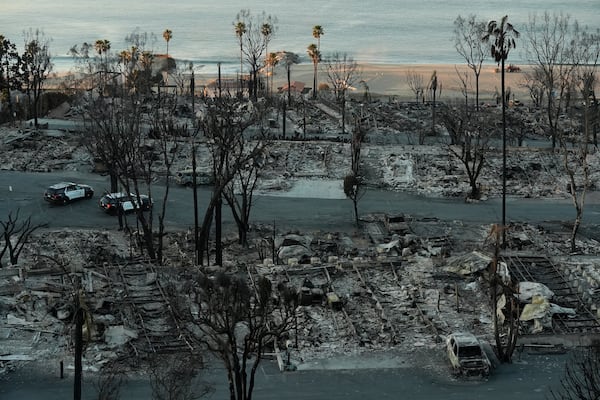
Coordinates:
x,y
113,203
64,192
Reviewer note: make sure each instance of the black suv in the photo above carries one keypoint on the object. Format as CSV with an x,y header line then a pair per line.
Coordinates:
x,y
64,192
114,203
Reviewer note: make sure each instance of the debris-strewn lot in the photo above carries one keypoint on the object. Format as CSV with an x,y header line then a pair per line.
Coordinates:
x,y
429,169
399,285
402,295
391,156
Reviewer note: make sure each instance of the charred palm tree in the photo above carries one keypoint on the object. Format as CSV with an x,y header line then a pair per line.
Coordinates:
x,y
102,46
240,30
502,35
266,30
272,61
317,32
315,56
167,35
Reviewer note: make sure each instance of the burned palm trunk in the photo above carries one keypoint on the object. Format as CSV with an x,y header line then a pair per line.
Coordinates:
x,y
218,232
78,351
195,195
504,303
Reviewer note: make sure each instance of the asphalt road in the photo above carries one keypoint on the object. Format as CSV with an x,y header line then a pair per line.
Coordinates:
x,y
528,377
24,192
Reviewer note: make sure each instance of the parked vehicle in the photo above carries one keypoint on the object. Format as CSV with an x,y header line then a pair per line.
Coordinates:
x,y
186,177
466,355
113,203
64,192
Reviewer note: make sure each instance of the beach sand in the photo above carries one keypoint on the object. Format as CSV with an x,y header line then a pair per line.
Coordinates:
x,y
391,80
386,80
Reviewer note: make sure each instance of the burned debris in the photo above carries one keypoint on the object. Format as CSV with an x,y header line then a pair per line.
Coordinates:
x,y
355,295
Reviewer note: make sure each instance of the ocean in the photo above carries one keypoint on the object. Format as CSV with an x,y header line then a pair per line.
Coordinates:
x,y
376,31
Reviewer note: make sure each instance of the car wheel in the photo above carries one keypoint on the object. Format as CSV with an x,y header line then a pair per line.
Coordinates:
x,y
65,201
88,195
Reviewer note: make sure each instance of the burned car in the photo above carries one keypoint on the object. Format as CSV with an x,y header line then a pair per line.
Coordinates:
x,y
467,356
186,178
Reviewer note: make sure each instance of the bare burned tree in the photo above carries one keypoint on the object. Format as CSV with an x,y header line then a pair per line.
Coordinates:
x,y
116,138
254,41
239,192
465,84
174,377
467,41
15,235
519,127
224,125
130,133
110,380
354,187
577,142
9,76
96,67
416,84
36,66
238,322
533,82
550,49
136,63
343,73
165,129
581,380
239,196
470,143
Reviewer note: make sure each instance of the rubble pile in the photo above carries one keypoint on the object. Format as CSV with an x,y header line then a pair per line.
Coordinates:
x,y
41,150
389,159
419,282
401,284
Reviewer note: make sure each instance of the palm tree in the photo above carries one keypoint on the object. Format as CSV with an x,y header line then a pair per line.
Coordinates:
x,y
272,60
317,33
267,30
503,35
288,58
102,46
315,56
167,35
434,86
240,30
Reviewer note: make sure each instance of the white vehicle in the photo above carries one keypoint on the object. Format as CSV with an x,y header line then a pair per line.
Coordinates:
x,y
64,192
112,203
466,355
